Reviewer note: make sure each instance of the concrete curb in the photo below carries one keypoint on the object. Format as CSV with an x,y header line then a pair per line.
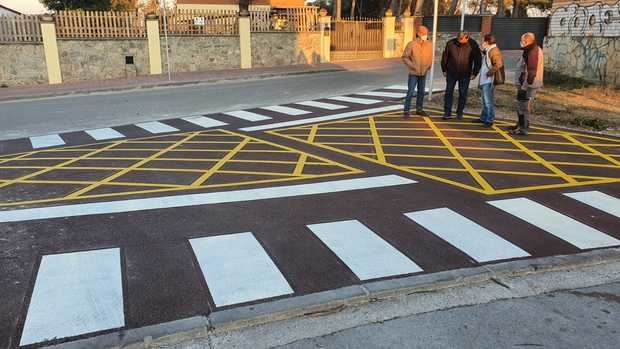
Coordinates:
x,y
145,86
335,300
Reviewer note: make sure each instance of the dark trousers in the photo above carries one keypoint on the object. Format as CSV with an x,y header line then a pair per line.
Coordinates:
x,y
449,97
420,83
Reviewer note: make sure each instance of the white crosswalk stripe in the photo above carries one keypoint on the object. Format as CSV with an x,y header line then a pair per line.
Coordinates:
x,y
553,222
383,94
354,100
75,293
363,251
46,141
598,200
247,115
397,87
237,269
286,110
322,105
205,122
156,127
474,240
102,134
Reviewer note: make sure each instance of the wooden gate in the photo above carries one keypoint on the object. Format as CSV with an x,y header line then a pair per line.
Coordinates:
x,y
356,39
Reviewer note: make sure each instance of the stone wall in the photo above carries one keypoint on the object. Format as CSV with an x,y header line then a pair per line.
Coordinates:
x,y
400,44
276,49
595,59
201,53
22,64
102,59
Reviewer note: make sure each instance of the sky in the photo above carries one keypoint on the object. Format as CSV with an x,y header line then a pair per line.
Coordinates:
x,y
24,6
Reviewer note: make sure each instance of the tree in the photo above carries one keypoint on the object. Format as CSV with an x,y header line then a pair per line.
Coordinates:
x,y
150,6
88,5
124,5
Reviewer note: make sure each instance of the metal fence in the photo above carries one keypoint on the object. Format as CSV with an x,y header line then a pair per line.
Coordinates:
x,y
20,29
357,39
296,19
452,24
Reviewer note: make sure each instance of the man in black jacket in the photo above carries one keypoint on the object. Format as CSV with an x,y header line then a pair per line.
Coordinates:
x,y
460,63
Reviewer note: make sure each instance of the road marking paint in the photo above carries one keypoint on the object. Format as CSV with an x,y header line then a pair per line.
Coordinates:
x,y
287,110
201,199
598,200
247,115
383,94
388,108
102,134
397,87
237,269
355,100
553,222
156,127
474,240
75,293
322,105
46,141
204,121
363,251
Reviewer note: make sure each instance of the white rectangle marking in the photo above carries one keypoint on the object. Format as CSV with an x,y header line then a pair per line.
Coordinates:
x,y
322,105
156,127
75,293
237,269
323,118
205,122
102,134
287,110
46,141
598,200
565,228
383,94
246,115
355,100
363,251
201,199
474,240
397,87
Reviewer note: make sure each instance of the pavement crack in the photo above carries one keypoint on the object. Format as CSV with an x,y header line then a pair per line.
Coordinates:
x,y
598,295
501,283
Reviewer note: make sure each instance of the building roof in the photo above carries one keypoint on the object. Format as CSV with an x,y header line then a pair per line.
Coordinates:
x,y
10,9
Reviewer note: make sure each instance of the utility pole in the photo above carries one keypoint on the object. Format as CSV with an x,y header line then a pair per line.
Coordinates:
x,y
338,9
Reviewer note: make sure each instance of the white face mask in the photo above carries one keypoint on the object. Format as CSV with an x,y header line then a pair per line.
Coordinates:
x,y
522,44
423,37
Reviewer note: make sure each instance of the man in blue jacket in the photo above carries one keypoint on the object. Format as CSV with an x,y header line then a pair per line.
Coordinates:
x,y
460,63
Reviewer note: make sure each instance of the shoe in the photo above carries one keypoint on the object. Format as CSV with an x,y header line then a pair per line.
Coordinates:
x,y
488,124
519,132
406,114
477,121
421,113
459,116
447,117
515,127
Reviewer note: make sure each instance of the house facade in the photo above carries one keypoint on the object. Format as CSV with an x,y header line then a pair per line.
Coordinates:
x,y
234,4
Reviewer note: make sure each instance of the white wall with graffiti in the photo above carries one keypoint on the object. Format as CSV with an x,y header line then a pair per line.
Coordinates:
x,y
584,41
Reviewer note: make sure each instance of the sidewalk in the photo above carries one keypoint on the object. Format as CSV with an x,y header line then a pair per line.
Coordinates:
x,y
180,79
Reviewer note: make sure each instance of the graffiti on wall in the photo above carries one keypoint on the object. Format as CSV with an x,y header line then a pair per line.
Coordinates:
x,y
599,19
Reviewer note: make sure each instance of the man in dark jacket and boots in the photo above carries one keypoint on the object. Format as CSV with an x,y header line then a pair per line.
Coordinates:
x,y
529,79
460,63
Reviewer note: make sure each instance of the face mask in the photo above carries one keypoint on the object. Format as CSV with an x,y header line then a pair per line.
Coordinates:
x,y
522,44
423,37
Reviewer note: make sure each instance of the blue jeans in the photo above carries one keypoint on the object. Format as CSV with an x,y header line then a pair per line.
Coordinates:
x,y
488,103
463,89
420,82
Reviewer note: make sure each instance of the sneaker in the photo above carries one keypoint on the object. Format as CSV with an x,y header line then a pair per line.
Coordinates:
x,y
421,113
406,114
488,124
447,117
519,132
477,121
515,127
459,116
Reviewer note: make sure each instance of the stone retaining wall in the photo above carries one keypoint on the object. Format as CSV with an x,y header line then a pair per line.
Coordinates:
x,y
201,53
22,64
276,49
102,59
595,59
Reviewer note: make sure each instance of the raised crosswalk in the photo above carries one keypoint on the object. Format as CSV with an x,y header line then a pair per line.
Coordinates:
x,y
156,127
205,122
247,115
553,222
322,105
46,141
601,201
102,134
82,292
286,110
383,94
355,100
